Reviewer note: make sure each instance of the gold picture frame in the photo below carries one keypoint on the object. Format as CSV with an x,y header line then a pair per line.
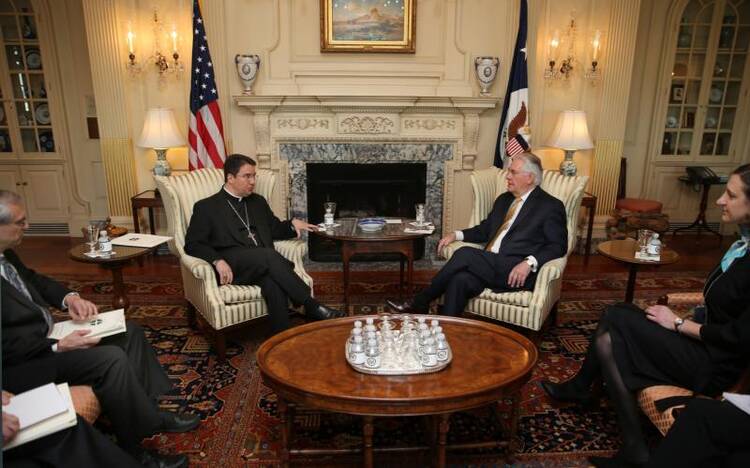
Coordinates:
x,y
368,26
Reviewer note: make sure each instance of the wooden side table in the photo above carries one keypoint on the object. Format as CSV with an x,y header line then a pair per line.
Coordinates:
x,y
114,263
623,251
149,199
589,201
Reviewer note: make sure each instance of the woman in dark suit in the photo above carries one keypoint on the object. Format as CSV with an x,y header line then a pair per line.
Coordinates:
x,y
633,349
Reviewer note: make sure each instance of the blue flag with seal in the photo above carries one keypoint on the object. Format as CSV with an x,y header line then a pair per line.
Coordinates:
x,y
514,134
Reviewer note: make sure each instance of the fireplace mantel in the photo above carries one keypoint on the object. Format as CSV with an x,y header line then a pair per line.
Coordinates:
x,y
450,121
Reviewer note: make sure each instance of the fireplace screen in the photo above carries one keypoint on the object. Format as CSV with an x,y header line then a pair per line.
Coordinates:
x,y
363,190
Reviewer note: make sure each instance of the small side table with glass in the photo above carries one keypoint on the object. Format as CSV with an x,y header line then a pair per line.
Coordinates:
x,y
624,251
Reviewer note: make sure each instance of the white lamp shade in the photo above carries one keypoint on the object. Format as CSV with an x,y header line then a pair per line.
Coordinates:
x,y
571,132
160,130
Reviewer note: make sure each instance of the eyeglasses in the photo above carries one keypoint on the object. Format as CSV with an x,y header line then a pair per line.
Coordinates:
x,y
20,223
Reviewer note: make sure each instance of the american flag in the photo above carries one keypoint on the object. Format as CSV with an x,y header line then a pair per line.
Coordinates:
x,y
514,122
516,145
206,134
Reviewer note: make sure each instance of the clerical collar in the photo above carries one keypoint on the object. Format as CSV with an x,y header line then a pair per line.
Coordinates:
x,y
239,199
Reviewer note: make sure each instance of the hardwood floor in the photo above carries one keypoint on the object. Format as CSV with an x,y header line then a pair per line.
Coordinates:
x,y
49,255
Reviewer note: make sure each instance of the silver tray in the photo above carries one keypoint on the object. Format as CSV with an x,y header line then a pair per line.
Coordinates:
x,y
396,362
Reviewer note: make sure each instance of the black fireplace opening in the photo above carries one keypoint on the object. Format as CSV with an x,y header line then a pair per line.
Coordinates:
x,y
363,190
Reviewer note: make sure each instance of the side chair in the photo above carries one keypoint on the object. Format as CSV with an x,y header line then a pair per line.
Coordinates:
x,y
525,309
221,308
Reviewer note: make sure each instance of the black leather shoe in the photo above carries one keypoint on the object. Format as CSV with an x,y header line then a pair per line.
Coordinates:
x,y
178,422
566,392
153,459
322,312
401,307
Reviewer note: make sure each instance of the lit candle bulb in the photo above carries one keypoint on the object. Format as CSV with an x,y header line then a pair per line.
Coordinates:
x,y
174,40
555,41
130,41
596,43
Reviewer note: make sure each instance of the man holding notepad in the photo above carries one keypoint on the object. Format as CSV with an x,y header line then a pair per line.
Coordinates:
x,y
122,369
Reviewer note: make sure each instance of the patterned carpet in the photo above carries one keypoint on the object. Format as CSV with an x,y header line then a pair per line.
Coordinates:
x,y
239,415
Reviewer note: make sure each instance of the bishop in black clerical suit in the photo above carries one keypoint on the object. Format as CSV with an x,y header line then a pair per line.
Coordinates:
x,y
234,230
525,229
122,369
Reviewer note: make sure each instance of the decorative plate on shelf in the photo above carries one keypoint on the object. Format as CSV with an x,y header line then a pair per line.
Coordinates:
x,y
41,114
715,95
710,122
33,59
46,142
672,121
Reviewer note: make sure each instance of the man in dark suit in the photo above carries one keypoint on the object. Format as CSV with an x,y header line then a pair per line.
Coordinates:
x,y
525,229
77,446
234,230
122,369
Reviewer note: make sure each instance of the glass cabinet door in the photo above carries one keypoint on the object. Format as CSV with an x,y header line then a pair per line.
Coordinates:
x,y
706,78
26,123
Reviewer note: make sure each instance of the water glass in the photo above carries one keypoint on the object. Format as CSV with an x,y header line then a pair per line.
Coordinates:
x,y
644,237
330,211
92,234
419,210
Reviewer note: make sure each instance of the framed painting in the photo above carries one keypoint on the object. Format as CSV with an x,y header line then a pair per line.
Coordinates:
x,y
368,25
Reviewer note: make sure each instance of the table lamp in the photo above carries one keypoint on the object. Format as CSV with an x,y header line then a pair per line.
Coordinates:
x,y
570,134
160,133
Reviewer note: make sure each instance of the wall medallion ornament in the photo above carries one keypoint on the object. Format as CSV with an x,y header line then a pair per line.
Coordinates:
x,y
247,69
486,69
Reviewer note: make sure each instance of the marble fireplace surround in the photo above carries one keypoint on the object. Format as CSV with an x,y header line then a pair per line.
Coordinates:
x,y
291,131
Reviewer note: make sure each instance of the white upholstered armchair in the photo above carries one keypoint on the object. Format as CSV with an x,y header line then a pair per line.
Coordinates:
x,y
527,309
223,308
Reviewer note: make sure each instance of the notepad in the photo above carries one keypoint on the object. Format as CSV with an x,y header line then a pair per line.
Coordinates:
x,y
140,240
739,400
104,324
57,421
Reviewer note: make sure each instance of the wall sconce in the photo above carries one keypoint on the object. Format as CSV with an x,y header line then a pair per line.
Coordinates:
x,y
163,65
562,69
593,73
566,66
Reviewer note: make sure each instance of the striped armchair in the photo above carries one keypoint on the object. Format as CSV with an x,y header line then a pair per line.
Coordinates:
x,y
527,309
223,308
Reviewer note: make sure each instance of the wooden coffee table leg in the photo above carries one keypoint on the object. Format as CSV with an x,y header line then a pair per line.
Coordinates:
x,y
629,292
443,427
119,298
367,432
286,422
515,414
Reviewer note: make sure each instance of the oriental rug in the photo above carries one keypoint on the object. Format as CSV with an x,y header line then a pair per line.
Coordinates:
x,y
239,415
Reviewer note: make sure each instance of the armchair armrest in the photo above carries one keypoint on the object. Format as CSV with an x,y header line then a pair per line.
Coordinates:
x,y
293,250
200,268
681,299
549,272
451,248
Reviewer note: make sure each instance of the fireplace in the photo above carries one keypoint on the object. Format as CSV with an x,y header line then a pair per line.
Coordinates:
x,y
362,190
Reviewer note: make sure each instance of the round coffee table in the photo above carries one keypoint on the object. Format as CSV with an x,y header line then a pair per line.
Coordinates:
x,y
114,263
306,365
391,239
624,251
